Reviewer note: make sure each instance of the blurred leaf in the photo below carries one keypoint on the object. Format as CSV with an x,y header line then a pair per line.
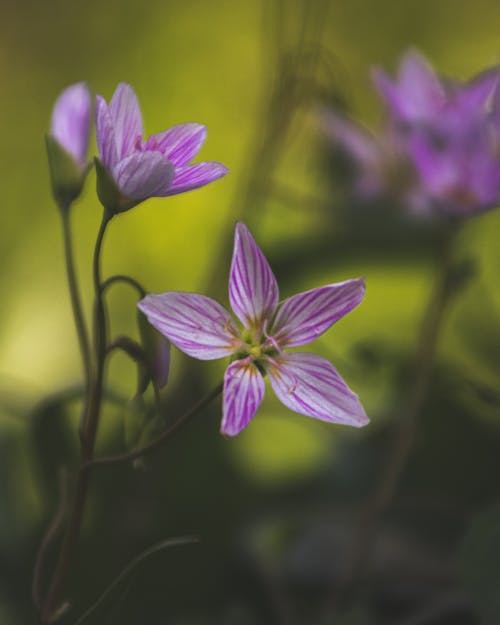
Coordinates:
x,y
354,616
479,562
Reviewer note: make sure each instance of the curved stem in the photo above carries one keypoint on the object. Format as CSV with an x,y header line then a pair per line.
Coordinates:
x,y
160,440
404,435
89,433
131,566
126,280
136,353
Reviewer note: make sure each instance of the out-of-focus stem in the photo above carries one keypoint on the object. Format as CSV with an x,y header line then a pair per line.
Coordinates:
x,y
404,435
89,432
47,541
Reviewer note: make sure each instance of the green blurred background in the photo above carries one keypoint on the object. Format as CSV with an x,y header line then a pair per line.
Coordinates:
x,y
274,506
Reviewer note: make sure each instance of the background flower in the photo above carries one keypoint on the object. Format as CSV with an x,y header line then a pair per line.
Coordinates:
x,y
437,151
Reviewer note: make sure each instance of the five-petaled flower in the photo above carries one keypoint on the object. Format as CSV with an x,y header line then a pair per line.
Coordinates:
x,y
305,383
159,166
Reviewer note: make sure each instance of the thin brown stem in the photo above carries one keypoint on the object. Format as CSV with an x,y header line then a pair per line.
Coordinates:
x,y
89,432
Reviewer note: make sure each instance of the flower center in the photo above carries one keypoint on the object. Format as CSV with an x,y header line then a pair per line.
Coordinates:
x,y
256,347
255,351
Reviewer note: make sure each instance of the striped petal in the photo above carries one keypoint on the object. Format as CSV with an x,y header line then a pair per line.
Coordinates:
x,y
196,324
144,174
243,393
180,143
253,290
126,118
190,177
105,134
305,316
310,385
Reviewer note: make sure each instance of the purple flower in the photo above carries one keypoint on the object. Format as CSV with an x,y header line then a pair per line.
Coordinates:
x,y
382,166
419,96
156,167
71,121
443,134
305,383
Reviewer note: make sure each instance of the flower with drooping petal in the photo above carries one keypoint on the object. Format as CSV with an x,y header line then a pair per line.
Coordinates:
x,y
157,167
305,383
446,136
68,141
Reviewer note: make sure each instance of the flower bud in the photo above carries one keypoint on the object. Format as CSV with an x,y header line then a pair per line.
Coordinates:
x,y
67,143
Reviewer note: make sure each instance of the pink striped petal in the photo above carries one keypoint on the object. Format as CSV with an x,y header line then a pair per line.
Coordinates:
x,y
144,174
126,118
310,385
196,324
253,290
305,316
180,143
243,393
105,134
188,177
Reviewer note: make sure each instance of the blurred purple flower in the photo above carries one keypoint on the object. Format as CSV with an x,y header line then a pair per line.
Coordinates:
x,y
305,383
442,134
70,125
419,96
381,164
157,167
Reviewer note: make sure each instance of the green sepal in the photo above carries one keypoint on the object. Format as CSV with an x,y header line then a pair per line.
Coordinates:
x,y
66,175
109,194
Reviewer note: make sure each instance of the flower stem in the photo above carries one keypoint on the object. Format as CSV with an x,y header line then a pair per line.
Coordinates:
x,y
81,330
405,430
88,434
126,280
161,439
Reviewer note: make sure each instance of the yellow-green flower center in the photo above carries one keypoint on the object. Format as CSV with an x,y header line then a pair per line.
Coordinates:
x,y
256,346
